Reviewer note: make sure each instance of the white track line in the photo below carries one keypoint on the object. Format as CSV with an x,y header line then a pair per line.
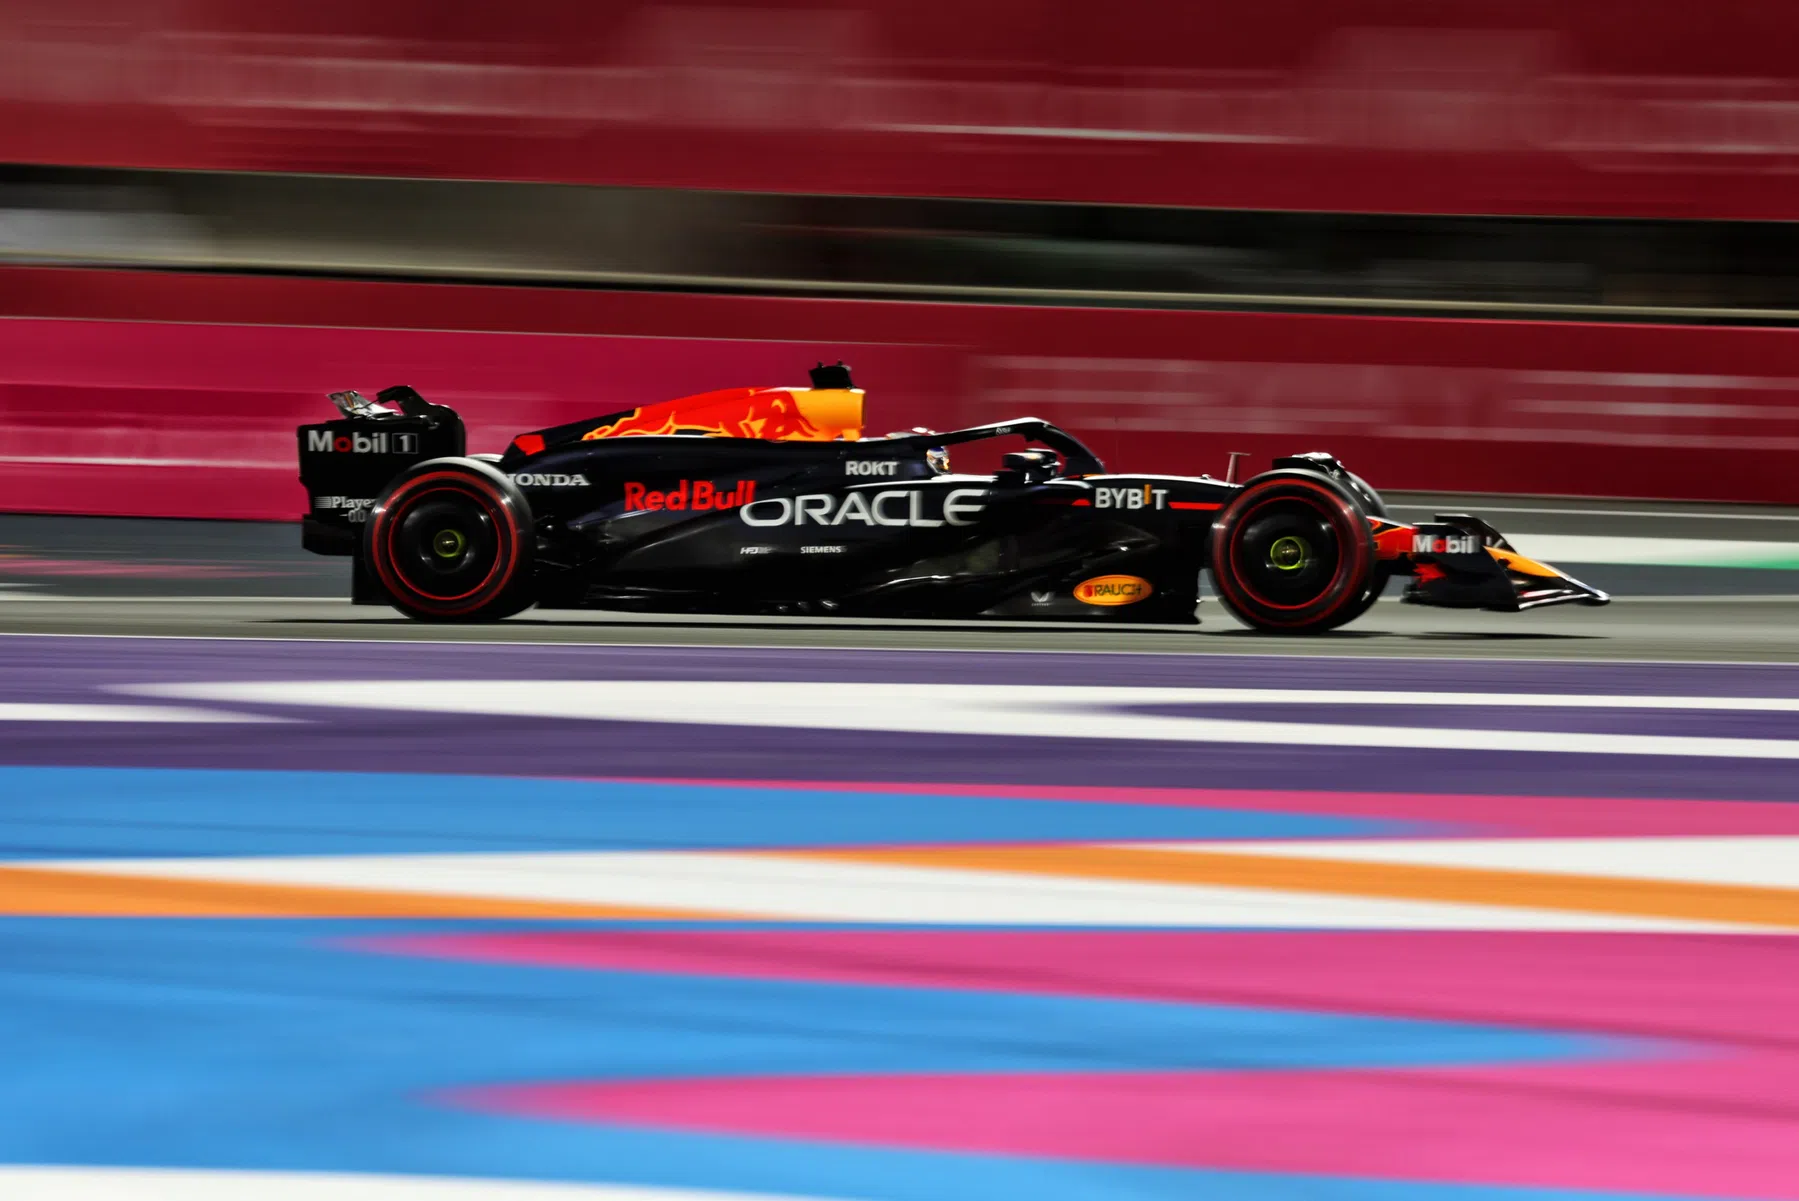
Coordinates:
x,y
178,1184
1197,656
153,714
1045,711
1458,506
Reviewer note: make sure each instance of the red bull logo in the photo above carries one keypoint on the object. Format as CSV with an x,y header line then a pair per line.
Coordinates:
x,y
692,495
769,414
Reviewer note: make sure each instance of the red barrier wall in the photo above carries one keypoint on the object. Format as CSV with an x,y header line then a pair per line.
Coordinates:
x,y
1635,107
178,394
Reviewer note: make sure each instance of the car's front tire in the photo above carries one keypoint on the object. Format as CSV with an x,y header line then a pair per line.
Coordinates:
x,y
451,540
1293,553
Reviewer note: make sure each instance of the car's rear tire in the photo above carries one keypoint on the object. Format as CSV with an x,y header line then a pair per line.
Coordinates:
x,y
451,540
1293,553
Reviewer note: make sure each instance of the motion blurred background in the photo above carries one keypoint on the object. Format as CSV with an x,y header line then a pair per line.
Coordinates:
x,y
1519,247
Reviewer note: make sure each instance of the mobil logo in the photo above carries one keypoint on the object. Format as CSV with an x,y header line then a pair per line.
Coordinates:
x,y
692,495
383,443
1107,590
1436,544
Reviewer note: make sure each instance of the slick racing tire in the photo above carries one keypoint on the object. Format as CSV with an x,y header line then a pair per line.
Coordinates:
x,y
1293,553
451,540
1371,500
1377,586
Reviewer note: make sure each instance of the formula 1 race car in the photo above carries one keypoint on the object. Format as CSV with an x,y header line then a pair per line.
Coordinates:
x,y
770,501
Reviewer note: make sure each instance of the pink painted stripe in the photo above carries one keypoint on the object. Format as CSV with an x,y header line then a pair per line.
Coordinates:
x,y
1713,1117
1725,1128
1721,989
1479,814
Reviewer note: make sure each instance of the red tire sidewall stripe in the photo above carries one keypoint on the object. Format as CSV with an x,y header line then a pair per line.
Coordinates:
x,y
1242,597
499,522
1342,560
483,492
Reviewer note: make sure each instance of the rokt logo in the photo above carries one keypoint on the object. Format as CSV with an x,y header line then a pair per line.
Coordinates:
x,y
1113,590
320,441
906,507
871,467
689,494
526,479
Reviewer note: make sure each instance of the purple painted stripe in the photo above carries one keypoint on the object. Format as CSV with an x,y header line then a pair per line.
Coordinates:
x,y
84,662
50,668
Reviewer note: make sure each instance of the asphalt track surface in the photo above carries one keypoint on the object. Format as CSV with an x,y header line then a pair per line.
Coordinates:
x,y
61,575
304,902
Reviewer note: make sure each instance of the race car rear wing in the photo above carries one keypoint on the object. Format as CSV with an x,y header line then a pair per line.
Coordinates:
x,y
344,464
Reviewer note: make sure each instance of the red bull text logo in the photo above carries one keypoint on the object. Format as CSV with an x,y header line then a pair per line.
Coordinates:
x,y
693,495
1113,590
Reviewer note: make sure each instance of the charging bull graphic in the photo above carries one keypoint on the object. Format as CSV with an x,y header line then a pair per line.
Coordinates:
x,y
770,414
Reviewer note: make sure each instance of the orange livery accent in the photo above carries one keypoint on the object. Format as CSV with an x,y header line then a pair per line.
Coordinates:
x,y
1523,566
1391,541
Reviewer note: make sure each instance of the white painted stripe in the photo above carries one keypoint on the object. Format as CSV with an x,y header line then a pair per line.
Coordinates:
x,y
1047,711
1665,552
1763,862
158,714
1358,697
129,461
1688,515
182,1184
805,889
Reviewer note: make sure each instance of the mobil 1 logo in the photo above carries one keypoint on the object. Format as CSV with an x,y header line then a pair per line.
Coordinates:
x,y
1425,543
383,442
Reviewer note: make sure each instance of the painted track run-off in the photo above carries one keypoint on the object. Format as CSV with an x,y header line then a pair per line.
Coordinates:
x,y
301,901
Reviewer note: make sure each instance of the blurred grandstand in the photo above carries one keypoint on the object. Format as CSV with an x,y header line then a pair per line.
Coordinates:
x,y
1561,238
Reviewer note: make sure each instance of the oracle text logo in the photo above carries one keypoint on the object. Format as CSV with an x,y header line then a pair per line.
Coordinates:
x,y
909,507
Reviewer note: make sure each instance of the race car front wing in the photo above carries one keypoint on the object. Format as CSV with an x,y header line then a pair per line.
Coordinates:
x,y
1458,561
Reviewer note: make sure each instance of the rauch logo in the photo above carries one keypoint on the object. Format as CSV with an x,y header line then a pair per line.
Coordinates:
x,y
1113,590
690,494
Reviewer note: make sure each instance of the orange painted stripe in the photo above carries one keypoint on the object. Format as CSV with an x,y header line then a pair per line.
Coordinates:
x,y
1743,904
47,892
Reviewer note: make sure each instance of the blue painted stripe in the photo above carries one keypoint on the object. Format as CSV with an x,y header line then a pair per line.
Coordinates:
x,y
62,812
269,1044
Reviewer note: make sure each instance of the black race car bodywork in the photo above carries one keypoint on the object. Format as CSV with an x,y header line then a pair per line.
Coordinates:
x,y
769,501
